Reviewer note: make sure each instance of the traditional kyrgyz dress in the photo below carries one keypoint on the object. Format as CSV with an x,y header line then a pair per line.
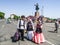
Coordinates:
x,y
29,30
38,35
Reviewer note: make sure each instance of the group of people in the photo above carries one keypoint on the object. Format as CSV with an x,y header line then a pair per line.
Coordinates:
x,y
34,30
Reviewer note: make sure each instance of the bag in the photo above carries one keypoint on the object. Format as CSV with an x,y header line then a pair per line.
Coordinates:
x,y
16,37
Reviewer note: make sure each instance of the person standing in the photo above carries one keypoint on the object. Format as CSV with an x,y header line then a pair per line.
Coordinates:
x,y
38,35
29,29
56,26
21,27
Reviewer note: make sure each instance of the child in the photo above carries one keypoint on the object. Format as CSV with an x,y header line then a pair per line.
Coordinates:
x,y
38,35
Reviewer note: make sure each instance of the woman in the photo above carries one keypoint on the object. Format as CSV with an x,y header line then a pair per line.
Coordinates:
x,y
29,29
38,35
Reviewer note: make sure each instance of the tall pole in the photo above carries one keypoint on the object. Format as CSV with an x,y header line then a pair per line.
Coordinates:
x,y
42,10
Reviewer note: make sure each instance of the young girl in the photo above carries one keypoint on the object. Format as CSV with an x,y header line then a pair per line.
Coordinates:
x,y
38,35
29,29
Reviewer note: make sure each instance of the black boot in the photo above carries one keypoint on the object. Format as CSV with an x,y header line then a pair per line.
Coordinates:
x,y
55,31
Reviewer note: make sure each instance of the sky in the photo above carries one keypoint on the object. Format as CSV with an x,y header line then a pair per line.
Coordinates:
x,y
26,7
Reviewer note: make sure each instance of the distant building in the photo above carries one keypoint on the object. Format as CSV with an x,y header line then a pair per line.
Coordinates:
x,y
12,16
45,19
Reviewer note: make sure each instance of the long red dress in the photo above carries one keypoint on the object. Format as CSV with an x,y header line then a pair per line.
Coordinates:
x,y
38,35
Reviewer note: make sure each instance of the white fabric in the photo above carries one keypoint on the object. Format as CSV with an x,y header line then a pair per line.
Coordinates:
x,y
30,35
32,24
18,24
22,23
22,27
41,26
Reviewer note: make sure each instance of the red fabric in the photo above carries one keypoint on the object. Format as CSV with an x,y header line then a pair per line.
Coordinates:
x,y
38,38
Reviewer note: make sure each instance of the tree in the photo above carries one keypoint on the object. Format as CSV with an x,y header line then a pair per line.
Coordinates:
x,y
2,14
9,17
14,16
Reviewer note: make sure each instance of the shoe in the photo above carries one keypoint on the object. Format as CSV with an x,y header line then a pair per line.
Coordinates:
x,y
22,40
55,31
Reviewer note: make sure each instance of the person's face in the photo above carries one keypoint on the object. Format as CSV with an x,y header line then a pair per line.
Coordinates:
x,y
23,18
28,19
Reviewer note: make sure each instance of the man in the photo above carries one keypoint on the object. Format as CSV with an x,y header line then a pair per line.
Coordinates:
x,y
21,25
56,26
